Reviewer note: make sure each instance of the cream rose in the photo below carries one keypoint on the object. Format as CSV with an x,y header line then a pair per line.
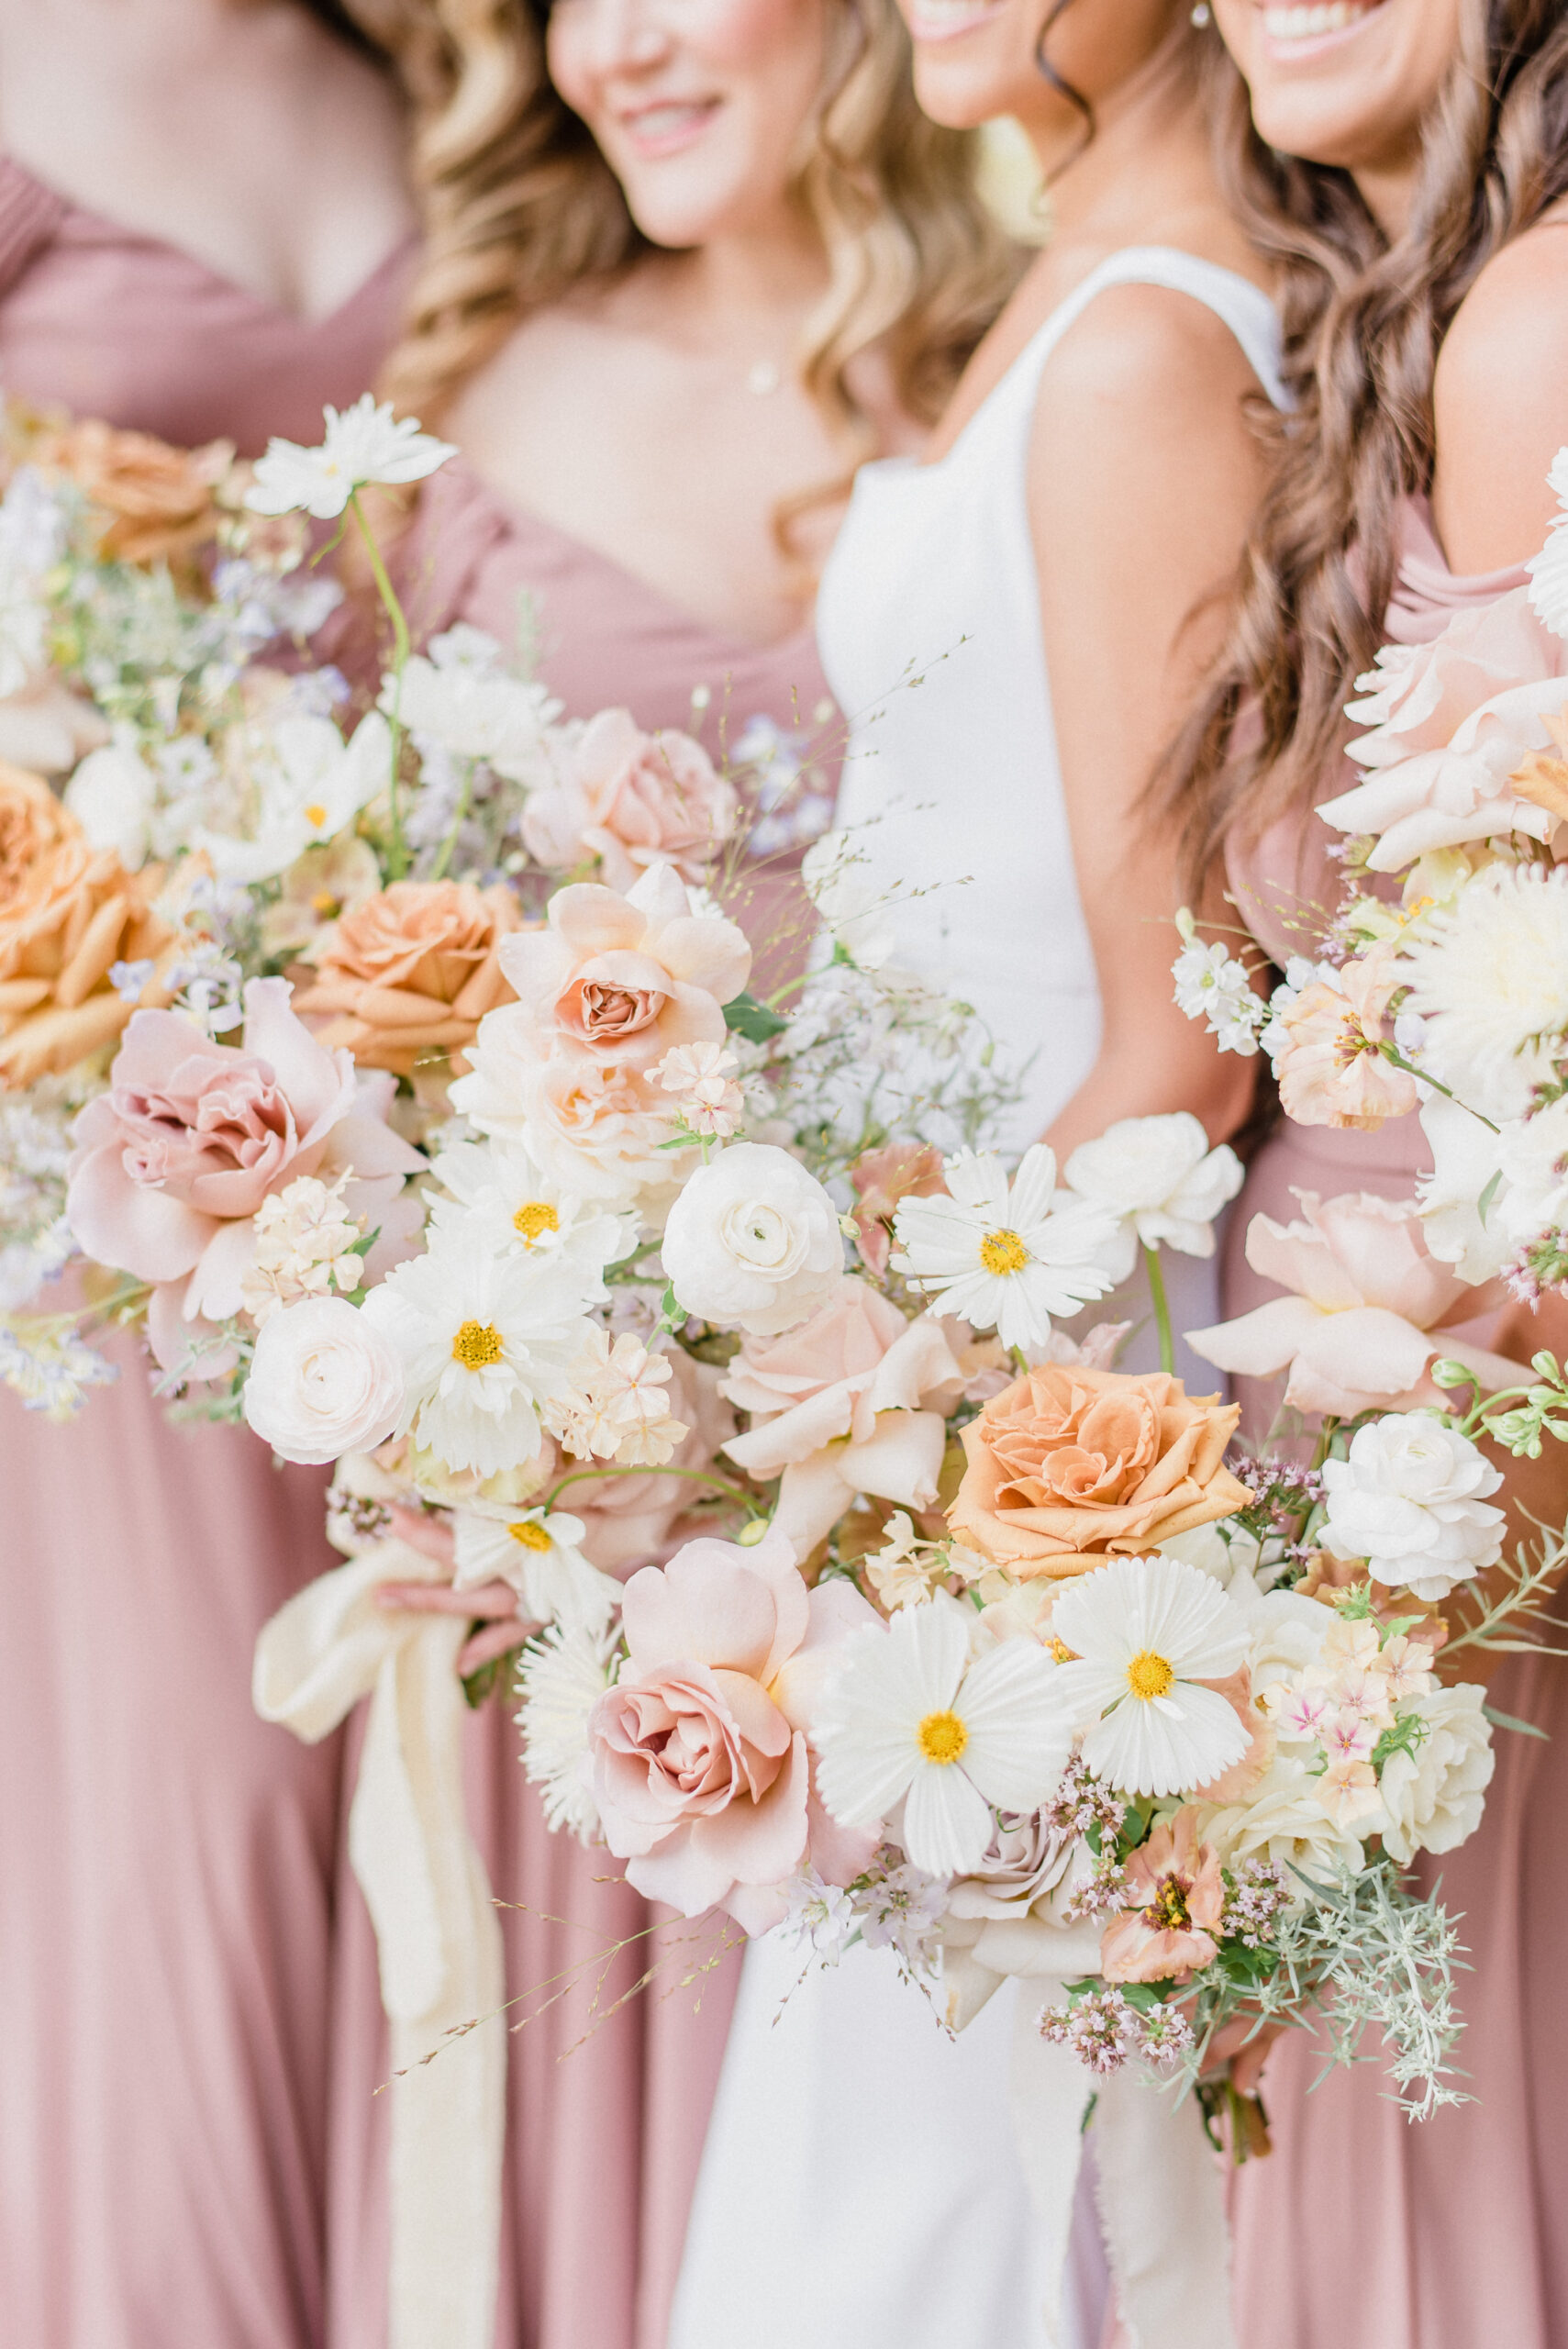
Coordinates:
x,y
1432,1798
753,1241
324,1381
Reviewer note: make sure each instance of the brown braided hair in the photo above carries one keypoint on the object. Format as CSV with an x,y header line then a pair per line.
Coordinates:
x,y
1364,323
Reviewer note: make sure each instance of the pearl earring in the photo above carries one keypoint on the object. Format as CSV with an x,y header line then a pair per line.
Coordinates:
x,y
1200,13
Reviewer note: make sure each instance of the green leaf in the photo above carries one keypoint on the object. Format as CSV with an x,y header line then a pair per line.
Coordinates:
x,y
752,1020
1509,1721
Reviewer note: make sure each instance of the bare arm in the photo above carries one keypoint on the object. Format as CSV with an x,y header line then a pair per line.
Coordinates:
x,y
1143,474
1500,398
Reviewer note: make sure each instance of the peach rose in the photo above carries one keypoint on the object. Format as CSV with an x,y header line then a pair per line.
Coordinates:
x,y
1458,730
633,799
172,1161
903,1170
411,972
699,1753
158,499
1176,1896
1068,1466
68,914
1365,1314
1333,1072
853,1400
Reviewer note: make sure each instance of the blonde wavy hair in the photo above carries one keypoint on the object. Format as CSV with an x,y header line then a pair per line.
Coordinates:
x,y
521,208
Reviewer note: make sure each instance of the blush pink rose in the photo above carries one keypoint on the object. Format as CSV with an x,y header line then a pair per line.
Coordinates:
x,y
1369,1309
172,1161
1453,724
1333,1072
624,979
854,1400
1176,1896
632,800
698,1753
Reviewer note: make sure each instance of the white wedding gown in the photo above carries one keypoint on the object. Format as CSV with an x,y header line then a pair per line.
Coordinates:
x,y
860,2188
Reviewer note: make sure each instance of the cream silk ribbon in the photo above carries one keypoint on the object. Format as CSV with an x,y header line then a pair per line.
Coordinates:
x,y
436,1931
1160,2201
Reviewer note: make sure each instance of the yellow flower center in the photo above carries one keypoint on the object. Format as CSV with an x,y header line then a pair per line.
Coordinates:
x,y
316,815
531,1535
534,1217
325,904
477,1344
1149,1675
1168,1912
1061,1651
1003,1252
942,1737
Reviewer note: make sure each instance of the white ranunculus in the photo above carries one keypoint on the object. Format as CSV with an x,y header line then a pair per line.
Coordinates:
x,y
1410,1500
1432,1798
112,796
753,1241
1159,1177
322,1381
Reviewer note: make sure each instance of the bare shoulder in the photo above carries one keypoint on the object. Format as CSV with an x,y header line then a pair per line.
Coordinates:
x,y
1500,402
1145,370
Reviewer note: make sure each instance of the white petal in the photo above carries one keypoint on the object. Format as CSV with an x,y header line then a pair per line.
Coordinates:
x,y
947,1823
1020,1733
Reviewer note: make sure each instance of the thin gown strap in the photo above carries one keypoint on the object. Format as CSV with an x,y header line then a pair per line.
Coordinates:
x,y
30,219
1244,307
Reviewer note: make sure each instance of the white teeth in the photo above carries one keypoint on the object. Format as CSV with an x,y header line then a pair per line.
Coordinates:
x,y
944,13
1308,24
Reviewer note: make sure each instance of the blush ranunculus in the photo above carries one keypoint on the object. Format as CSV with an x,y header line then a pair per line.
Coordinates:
x,y
1366,1314
172,1162
324,1381
854,1400
700,1767
409,973
632,800
1177,1899
1067,1466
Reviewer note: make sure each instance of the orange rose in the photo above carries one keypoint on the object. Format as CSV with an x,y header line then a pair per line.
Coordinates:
x,y
1068,1466
410,973
158,499
68,912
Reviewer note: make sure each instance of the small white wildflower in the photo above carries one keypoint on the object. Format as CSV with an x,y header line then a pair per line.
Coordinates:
x,y
362,444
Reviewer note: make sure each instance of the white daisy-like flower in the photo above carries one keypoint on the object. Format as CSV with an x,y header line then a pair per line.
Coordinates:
x,y
1211,985
1489,975
364,443
313,785
486,1341
560,1679
539,1552
522,1211
1161,1181
908,1718
1001,1254
1141,1632
1549,569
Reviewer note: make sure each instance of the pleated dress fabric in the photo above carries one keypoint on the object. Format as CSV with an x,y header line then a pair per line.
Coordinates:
x,y
609,2093
167,1863
1362,2230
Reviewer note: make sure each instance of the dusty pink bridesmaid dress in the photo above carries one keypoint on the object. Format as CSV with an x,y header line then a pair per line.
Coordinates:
x,y
1362,2231
166,1863
604,2133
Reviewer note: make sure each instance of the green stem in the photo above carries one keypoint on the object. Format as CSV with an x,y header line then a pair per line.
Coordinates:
x,y
694,1475
397,855
1396,1059
1161,1311
438,871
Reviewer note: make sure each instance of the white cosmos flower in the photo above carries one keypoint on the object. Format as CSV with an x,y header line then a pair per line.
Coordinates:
x,y
905,1717
1143,1632
997,1252
475,712
539,1552
313,785
1489,975
522,1211
560,1679
1159,1177
363,444
486,1341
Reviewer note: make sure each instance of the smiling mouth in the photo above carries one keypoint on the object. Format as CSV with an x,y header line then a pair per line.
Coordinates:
x,y
946,19
666,128
1288,27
